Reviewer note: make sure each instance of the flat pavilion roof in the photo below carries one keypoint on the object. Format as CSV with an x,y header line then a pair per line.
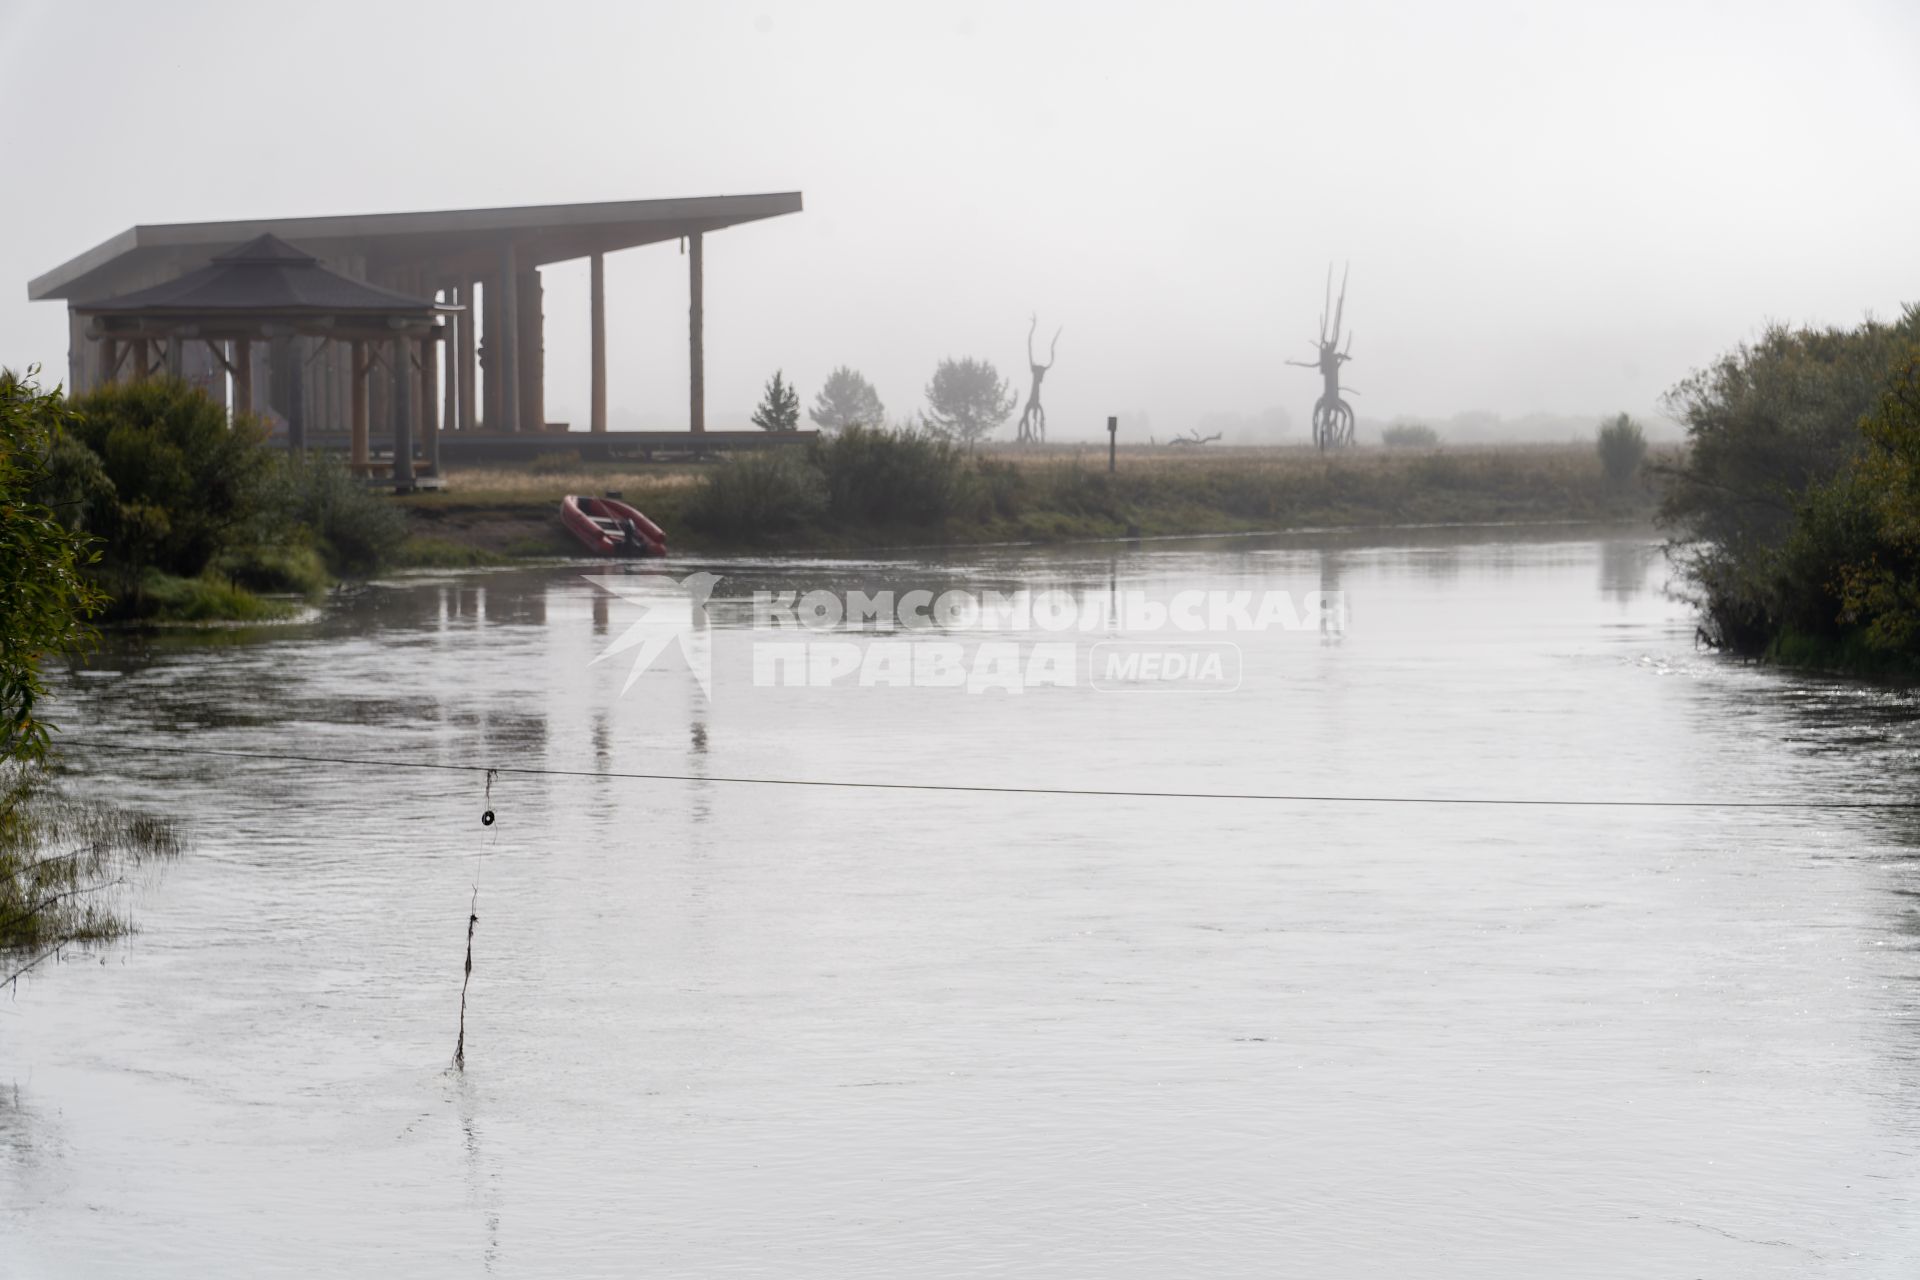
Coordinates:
x,y
454,241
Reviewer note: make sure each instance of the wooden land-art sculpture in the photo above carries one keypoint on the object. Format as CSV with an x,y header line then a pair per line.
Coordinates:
x,y
1332,415
1033,418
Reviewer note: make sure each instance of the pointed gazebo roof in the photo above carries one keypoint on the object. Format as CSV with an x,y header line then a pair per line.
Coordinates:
x,y
265,281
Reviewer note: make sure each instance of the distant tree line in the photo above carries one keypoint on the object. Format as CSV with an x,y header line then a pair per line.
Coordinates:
x,y
967,401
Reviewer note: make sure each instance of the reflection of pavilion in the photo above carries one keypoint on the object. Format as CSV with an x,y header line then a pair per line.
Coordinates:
x,y
488,374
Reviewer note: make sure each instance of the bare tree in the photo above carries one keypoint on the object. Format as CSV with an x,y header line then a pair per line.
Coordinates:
x,y
1033,418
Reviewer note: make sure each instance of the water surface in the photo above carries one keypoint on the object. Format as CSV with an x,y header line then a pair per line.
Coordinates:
x,y
720,1029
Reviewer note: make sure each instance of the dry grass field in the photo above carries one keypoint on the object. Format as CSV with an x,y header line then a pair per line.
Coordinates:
x,y
1065,492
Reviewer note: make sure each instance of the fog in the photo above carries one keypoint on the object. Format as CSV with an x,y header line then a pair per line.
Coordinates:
x,y
1549,215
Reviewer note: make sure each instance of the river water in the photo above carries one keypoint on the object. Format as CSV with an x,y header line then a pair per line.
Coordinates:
x,y
718,1028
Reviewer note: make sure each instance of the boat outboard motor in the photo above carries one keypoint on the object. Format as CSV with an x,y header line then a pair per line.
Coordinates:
x,y
631,532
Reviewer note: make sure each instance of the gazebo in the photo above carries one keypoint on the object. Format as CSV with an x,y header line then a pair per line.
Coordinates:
x,y
269,291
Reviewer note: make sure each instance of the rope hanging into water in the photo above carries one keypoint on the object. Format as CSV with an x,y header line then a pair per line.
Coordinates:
x,y
1110,793
473,918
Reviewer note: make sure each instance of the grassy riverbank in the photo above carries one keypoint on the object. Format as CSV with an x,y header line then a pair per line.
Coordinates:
x,y
489,514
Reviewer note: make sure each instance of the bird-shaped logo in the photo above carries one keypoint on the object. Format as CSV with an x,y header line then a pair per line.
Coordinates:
x,y
672,610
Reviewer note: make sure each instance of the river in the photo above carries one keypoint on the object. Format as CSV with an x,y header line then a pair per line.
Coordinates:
x,y
723,1028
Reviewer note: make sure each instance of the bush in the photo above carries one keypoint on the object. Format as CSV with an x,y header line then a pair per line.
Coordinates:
x,y
294,567
1622,446
1410,435
1764,506
1769,420
185,485
356,530
876,476
46,596
758,493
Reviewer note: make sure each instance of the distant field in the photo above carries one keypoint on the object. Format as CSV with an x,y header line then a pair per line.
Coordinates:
x,y
1065,492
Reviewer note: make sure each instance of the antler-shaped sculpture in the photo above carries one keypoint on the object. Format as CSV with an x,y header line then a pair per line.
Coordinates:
x,y
1332,415
1033,419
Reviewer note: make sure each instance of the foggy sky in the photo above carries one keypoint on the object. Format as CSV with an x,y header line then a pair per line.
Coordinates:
x,y
1547,208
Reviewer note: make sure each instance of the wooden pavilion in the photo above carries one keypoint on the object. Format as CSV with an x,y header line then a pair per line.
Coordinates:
x,y
269,292
481,265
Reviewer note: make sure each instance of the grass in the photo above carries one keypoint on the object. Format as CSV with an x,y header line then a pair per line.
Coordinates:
x,y
426,552
60,863
208,598
1044,495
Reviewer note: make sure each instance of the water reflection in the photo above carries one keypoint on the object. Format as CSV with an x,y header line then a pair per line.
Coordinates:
x,y
1624,566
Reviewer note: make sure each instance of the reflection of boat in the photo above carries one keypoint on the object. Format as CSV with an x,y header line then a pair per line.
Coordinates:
x,y
609,527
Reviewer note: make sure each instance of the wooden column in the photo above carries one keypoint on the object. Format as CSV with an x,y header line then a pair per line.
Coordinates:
x,y
357,459
139,360
429,349
296,398
696,337
469,382
79,349
532,351
400,360
597,412
505,345
242,378
109,360
450,407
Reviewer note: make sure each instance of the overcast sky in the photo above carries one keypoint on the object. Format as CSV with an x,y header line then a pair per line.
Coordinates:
x,y
1548,207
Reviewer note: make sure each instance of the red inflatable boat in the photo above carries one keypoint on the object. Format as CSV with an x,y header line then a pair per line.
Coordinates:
x,y
609,527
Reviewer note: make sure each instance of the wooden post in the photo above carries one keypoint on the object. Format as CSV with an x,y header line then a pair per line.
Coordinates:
x,y
242,378
296,405
504,346
109,360
357,460
139,360
429,400
597,420
696,339
469,331
1113,442
533,394
400,358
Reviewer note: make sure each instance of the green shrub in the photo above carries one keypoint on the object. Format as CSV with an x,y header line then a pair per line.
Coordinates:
x,y
1410,435
356,530
751,494
1074,489
185,484
876,476
292,567
1622,446
46,594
